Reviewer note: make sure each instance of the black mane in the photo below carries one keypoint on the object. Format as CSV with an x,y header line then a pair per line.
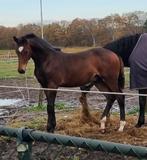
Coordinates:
x,y
30,35
40,43
123,47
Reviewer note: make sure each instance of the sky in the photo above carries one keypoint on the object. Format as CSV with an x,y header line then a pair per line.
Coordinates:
x,y
15,12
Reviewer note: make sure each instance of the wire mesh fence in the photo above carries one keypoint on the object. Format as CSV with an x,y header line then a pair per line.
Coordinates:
x,y
26,136
43,151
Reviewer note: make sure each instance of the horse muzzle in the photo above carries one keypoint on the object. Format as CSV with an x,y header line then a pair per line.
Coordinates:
x,y
21,71
21,68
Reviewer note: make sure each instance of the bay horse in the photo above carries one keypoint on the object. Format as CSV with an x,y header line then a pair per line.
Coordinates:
x,y
124,47
54,68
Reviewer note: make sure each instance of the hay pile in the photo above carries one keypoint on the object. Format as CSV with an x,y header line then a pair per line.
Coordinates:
x,y
72,124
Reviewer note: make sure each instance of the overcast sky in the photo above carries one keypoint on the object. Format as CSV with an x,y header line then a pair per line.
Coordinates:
x,y
14,12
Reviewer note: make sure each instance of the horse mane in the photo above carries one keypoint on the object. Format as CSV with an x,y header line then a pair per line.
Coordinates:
x,y
40,43
30,35
123,47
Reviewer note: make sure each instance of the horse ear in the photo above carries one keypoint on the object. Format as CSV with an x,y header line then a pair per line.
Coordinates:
x,y
15,39
20,40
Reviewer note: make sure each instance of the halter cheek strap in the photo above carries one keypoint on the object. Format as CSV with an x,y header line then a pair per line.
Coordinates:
x,y
20,49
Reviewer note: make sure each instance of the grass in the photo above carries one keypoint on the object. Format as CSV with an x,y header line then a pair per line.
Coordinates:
x,y
36,108
7,52
33,122
60,106
9,69
133,111
8,66
39,108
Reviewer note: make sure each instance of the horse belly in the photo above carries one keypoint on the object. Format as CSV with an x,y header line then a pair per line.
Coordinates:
x,y
77,80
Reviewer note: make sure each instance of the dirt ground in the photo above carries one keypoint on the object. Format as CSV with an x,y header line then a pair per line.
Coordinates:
x,y
71,123
68,123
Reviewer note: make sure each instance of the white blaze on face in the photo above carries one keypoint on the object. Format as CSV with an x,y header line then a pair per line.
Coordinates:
x,y
20,49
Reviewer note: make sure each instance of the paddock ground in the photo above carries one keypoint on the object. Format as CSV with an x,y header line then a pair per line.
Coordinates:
x,y
69,122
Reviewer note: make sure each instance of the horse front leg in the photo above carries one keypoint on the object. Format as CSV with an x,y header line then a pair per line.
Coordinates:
x,y
51,122
142,103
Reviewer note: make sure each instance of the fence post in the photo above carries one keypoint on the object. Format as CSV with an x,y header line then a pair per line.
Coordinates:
x,y
24,149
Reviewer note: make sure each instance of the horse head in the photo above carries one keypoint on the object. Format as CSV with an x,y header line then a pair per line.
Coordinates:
x,y
23,51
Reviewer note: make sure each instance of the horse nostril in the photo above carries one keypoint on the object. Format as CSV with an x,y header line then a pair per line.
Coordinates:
x,y
21,71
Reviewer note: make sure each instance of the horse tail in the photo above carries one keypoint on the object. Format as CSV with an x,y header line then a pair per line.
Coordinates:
x,y
121,78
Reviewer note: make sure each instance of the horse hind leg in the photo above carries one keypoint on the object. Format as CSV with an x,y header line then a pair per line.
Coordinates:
x,y
111,86
83,101
121,99
85,114
105,118
121,102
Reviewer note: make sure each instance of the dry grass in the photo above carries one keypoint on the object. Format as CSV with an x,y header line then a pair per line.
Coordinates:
x,y
71,123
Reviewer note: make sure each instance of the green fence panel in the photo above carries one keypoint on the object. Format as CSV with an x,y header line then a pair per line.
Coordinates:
x,y
29,135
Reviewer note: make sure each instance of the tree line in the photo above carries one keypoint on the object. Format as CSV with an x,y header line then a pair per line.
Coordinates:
x,y
79,32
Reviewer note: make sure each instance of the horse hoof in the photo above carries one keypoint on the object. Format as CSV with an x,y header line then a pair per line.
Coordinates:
x,y
120,130
138,125
50,130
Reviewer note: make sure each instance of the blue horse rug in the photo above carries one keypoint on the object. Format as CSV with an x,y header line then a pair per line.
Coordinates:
x,y
138,64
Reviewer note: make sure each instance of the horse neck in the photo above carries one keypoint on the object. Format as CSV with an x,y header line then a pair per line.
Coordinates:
x,y
39,57
44,56
41,50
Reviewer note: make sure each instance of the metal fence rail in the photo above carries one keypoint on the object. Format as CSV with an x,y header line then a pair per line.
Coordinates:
x,y
26,136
